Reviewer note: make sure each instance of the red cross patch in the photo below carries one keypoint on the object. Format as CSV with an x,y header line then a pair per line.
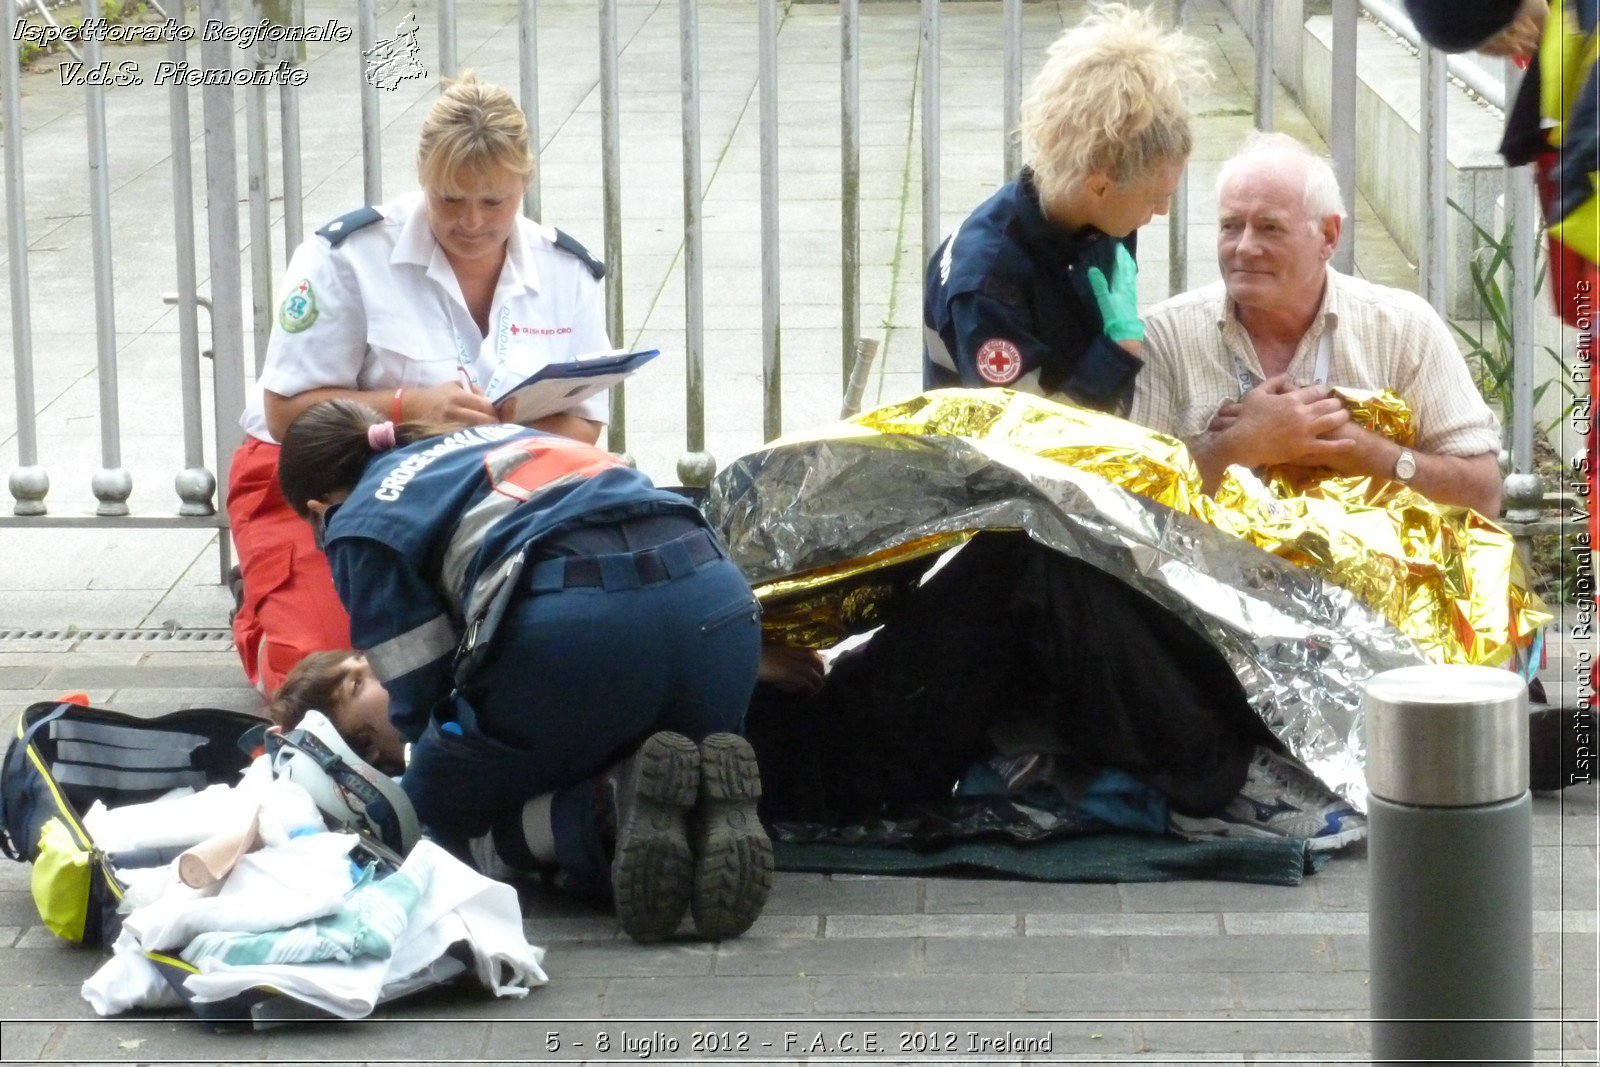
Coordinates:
x,y
998,362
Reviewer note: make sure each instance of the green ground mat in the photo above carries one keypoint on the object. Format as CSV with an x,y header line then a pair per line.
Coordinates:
x,y
1111,857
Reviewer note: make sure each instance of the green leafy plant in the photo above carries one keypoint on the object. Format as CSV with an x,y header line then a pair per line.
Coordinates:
x,y
1490,353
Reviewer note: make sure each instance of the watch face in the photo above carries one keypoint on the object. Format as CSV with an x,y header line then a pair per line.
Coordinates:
x,y
1405,468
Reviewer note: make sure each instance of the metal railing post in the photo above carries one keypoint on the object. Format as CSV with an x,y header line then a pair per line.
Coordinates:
x,y
195,484
222,231
29,483
849,184
930,129
1011,82
1451,865
289,138
447,39
1435,206
371,132
1391,14
696,465
1178,213
112,483
1263,43
1524,492
860,369
771,313
528,96
611,191
263,272
1342,124
294,226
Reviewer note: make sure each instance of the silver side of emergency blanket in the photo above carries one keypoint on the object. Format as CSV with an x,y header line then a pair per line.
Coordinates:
x,y
1302,648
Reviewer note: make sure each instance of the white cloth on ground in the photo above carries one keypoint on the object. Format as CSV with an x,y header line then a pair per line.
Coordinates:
x,y
300,879
181,821
269,889
304,878
366,923
456,904
128,980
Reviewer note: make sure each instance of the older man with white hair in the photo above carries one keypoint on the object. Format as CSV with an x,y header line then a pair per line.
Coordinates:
x,y
1240,369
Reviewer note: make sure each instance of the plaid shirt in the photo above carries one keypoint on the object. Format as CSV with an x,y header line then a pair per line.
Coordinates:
x,y
1383,338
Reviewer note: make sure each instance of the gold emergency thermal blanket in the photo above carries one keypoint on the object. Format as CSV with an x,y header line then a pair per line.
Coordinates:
x,y
1307,593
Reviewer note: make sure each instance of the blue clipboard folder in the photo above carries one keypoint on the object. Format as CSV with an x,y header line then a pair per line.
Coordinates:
x,y
559,386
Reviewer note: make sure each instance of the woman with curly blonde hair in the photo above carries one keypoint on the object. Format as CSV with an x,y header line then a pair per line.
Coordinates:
x,y
1036,290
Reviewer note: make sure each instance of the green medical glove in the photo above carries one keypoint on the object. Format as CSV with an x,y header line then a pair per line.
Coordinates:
x,y
1119,301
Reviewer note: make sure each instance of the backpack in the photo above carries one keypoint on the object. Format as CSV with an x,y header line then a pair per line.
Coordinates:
x,y
65,756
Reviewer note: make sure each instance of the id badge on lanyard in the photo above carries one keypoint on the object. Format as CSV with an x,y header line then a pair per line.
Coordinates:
x,y
464,357
1319,375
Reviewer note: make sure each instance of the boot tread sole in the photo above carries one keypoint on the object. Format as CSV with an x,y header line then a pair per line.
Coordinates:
x,y
652,872
733,854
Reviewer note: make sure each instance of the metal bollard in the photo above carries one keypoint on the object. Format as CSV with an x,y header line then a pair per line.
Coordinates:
x,y
1451,865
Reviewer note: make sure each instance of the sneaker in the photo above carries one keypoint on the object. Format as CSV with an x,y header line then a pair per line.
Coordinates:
x,y
733,855
1282,798
652,867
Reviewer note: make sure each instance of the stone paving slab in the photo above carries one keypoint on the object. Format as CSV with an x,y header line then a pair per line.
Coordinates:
x,y
1233,974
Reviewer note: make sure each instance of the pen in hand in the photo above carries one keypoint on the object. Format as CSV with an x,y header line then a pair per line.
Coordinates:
x,y
462,400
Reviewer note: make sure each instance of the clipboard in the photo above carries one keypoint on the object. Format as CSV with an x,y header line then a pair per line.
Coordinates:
x,y
559,386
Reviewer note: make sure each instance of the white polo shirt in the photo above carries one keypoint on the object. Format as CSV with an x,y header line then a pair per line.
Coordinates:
x,y
383,310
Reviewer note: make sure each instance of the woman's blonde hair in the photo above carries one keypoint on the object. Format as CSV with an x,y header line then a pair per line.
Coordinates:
x,y
474,128
1111,99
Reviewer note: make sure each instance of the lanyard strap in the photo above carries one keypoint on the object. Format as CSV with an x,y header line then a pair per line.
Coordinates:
x,y
1319,374
464,357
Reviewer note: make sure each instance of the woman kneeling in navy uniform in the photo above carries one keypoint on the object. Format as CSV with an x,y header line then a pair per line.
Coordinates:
x,y
538,612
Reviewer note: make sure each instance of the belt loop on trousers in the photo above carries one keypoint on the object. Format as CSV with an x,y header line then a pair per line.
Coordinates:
x,y
618,571
666,562
675,559
548,576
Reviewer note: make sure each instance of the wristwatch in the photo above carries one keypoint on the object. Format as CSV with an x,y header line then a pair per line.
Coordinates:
x,y
1405,466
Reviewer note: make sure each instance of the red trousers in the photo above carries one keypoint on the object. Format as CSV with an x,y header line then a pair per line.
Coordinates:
x,y
290,608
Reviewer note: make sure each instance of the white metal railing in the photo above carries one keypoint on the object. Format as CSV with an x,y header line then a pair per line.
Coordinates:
x,y
196,485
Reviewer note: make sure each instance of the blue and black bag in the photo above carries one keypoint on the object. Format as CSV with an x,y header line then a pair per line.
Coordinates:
x,y
63,757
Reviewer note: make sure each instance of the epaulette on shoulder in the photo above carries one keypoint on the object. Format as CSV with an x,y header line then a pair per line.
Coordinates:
x,y
348,223
571,247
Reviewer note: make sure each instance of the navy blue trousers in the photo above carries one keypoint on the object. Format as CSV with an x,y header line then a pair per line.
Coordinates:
x,y
574,680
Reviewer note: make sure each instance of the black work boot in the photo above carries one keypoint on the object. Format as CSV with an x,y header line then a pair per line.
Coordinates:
x,y
652,867
732,853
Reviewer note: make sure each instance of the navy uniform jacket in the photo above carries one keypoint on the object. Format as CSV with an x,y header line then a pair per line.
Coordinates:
x,y
427,521
1008,303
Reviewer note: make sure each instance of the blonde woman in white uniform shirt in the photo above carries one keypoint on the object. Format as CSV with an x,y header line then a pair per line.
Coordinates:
x,y
423,309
